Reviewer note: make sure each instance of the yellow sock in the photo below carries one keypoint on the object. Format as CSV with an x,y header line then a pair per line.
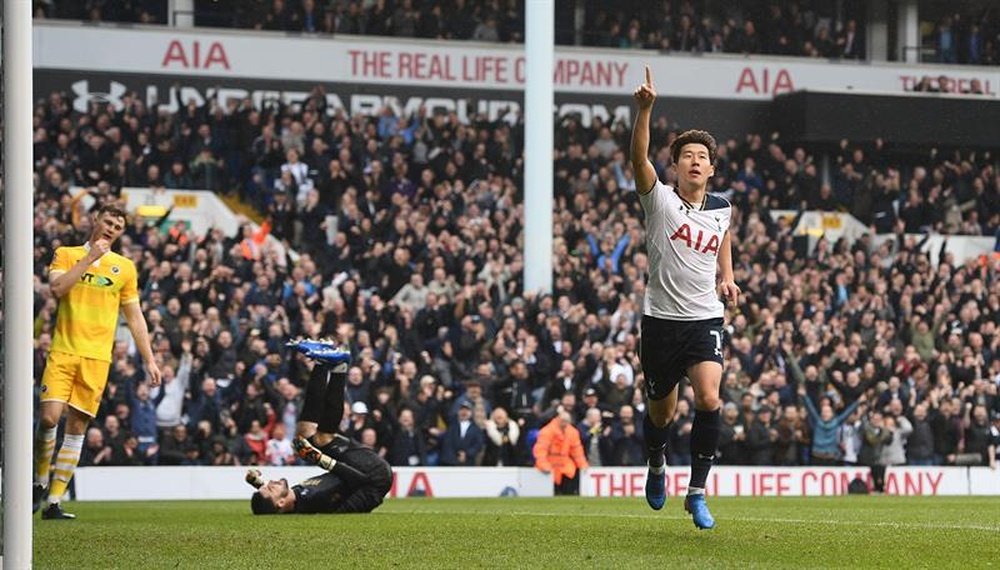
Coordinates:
x,y
69,456
45,445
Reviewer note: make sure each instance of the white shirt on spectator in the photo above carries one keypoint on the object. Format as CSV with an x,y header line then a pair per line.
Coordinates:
x,y
412,296
280,452
168,412
850,442
620,369
300,172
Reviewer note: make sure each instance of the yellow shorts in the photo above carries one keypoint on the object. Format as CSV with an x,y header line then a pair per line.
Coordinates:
x,y
75,380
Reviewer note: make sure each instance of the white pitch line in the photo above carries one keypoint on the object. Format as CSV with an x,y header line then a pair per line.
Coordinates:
x,y
888,524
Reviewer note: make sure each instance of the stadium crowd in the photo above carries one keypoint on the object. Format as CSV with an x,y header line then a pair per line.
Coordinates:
x,y
798,28
401,237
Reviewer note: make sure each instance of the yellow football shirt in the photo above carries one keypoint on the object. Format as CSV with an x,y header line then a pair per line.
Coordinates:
x,y
88,314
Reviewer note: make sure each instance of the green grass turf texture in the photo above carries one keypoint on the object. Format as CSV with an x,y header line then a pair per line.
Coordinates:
x,y
563,532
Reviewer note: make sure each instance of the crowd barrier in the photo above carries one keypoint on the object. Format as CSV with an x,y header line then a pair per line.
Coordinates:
x,y
204,483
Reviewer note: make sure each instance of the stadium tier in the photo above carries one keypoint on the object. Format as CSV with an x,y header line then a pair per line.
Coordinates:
x,y
965,34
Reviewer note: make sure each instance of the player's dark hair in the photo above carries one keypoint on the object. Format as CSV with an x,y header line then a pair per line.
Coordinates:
x,y
261,506
114,211
694,137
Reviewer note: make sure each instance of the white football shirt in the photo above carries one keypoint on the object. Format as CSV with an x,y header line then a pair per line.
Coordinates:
x,y
683,243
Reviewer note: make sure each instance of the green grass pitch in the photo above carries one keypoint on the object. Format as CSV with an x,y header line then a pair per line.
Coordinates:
x,y
842,532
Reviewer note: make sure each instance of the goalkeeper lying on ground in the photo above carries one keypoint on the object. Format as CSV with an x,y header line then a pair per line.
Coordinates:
x,y
357,479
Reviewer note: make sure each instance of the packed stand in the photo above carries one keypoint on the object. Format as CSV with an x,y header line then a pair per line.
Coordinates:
x,y
811,29
125,11
971,38
407,239
799,28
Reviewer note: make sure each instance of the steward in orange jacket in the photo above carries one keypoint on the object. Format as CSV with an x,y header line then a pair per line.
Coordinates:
x,y
559,450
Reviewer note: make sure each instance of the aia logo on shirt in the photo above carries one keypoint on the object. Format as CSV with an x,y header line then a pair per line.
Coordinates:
x,y
699,241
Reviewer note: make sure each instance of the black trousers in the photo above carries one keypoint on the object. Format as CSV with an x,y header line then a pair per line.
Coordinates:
x,y
878,478
569,485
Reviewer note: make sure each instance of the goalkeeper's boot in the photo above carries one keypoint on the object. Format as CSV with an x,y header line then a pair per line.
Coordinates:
x,y
695,504
656,493
328,354
54,512
38,494
305,345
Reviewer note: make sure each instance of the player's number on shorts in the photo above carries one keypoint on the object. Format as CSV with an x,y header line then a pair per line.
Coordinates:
x,y
718,341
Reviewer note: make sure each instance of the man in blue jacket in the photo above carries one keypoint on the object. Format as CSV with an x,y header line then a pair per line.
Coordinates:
x,y
463,441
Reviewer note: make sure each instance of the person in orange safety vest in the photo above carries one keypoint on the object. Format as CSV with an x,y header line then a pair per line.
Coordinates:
x,y
559,451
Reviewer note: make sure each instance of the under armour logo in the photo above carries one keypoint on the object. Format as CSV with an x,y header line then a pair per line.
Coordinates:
x,y
84,96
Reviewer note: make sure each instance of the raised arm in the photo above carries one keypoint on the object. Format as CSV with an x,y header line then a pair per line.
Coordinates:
x,y
842,416
813,414
616,255
793,368
184,371
645,174
594,246
905,427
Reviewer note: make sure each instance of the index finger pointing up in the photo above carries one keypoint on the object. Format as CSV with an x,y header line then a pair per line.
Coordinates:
x,y
649,76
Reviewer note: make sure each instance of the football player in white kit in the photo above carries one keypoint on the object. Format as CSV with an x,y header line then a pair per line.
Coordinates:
x,y
691,266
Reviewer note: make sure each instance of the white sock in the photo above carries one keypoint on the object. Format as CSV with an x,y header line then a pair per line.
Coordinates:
x,y
66,461
657,470
695,491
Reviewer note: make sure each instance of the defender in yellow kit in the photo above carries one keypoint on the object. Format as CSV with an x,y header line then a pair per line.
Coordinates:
x,y
93,285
